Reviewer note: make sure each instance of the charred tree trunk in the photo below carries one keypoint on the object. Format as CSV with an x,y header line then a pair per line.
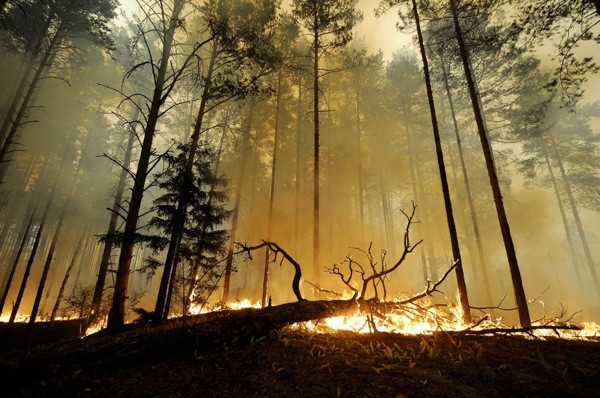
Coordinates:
x,y
513,263
573,204
236,207
116,317
63,285
167,281
470,199
272,192
16,260
460,278
112,228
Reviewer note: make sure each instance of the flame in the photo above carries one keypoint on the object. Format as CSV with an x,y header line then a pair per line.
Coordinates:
x,y
196,309
19,318
428,319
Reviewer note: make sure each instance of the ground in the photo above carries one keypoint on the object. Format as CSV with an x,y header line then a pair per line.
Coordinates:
x,y
151,362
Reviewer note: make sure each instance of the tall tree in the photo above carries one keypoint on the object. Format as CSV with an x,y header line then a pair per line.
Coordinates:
x,y
460,277
163,84
241,44
513,263
329,25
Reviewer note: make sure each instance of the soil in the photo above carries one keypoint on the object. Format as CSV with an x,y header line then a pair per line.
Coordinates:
x,y
165,362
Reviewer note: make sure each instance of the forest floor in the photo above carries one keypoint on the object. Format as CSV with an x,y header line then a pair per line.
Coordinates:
x,y
164,362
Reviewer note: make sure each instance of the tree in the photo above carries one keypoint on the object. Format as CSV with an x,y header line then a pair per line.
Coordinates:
x,y
62,20
513,263
567,25
456,254
328,24
241,54
201,240
163,85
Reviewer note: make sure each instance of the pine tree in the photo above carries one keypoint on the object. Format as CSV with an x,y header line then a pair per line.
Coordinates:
x,y
202,238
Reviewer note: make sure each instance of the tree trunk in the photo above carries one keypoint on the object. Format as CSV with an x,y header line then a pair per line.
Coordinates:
x,y
316,237
66,278
513,263
460,277
470,199
581,232
563,217
238,198
112,228
6,147
31,259
16,261
167,281
116,317
56,238
46,269
272,192
361,199
387,216
297,182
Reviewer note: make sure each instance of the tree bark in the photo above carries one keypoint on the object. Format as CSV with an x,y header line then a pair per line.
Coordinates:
x,y
272,192
460,277
513,263
116,317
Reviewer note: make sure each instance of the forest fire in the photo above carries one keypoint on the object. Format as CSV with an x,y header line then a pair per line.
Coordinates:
x,y
320,197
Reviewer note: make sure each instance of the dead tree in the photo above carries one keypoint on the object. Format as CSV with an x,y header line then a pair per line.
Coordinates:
x,y
359,278
277,250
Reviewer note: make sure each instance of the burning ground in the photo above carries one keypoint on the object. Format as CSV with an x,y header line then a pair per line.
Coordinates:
x,y
246,352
